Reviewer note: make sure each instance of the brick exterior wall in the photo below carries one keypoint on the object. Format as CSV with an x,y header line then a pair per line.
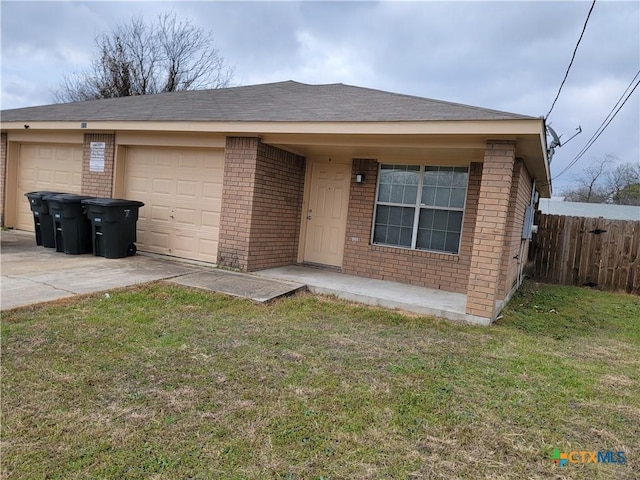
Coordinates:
x,y
238,184
427,269
519,199
277,208
3,173
491,229
261,205
98,184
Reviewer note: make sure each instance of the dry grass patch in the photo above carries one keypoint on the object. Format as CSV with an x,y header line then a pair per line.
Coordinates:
x,y
167,382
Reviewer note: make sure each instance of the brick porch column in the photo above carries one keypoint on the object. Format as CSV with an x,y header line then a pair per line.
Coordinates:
x,y
261,205
238,189
490,231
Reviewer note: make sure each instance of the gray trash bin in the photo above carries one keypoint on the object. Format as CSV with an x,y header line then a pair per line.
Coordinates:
x,y
113,224
42,220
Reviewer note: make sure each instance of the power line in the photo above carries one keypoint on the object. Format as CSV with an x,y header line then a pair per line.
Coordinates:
x,y
605,123
572,59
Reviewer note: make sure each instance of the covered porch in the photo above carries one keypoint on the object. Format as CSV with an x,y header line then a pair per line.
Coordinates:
x,y
370,291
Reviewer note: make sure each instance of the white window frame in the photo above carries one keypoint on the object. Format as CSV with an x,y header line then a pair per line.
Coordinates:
x,y
418,206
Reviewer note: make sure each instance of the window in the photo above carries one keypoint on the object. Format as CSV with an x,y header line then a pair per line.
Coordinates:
x,y
420,207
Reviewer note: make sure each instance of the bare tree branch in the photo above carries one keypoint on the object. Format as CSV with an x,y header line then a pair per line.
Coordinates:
x,y
600,182
624,184
590,184
141,58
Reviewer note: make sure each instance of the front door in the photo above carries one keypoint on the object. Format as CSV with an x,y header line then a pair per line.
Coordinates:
x,y
327,213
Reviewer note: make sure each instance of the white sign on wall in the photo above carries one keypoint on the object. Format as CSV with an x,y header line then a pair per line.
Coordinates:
x,y
96,158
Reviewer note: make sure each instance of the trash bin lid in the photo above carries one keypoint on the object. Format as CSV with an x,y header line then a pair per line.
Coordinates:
x,y
112,202
40,195
66,198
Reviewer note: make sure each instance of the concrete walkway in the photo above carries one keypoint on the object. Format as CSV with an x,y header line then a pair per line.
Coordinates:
x,y
32,274
383,293
244,285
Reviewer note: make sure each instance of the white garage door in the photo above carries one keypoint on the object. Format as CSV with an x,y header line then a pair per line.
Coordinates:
x,y
56,168
182,192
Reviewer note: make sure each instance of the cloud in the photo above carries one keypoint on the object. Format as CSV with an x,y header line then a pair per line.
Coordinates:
x,y
503,55
320,61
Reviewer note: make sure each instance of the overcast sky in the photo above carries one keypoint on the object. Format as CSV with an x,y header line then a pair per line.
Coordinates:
x,y
507,56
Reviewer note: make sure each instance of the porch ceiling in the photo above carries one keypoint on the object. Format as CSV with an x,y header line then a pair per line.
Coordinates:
x,y
448,149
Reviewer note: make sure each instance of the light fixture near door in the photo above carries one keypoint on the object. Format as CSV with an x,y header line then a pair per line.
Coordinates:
x,y
359,177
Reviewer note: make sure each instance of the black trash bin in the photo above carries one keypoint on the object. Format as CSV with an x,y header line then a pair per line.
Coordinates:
x,y
113,223
72,228
42,220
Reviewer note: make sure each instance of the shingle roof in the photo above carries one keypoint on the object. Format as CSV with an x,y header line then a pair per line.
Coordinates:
x,y
273,102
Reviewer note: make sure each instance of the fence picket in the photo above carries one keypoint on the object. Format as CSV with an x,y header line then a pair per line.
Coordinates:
x,y
570,251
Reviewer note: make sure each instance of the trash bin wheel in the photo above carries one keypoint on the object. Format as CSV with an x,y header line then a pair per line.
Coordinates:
x,y
131,249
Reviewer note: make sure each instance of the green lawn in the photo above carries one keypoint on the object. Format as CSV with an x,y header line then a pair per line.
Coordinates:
x,y
166,382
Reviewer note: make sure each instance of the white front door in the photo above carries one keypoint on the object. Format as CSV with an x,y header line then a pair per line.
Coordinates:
x,y
327,213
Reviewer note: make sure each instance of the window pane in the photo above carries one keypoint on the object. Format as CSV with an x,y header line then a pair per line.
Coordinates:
x,y
398,184
384,193
380,233
397,192
407,217
430,176
394,225
386,174
455,222
424,239
426,218
437,186
398,177
410,193
428,195
442,197
457,198
393,235
439,230
395,216
382,214
452,242
460,177
437,240
445,176
405,236
440,219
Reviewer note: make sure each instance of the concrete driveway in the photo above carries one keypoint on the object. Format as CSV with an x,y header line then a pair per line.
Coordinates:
x,y
32,274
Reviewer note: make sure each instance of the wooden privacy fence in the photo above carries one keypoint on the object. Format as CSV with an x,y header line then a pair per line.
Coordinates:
x,y
596,252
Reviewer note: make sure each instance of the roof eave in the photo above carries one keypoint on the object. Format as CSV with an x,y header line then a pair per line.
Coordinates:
x,y
439,127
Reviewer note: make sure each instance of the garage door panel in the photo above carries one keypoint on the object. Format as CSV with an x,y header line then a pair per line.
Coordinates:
x,y
159,240
182,195
160,214
137,185
210,219
46,167
188,189
162,186
211,191
186,217
206,246
193,162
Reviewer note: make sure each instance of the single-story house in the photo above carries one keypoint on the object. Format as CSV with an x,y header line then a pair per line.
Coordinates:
x,y
366,182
